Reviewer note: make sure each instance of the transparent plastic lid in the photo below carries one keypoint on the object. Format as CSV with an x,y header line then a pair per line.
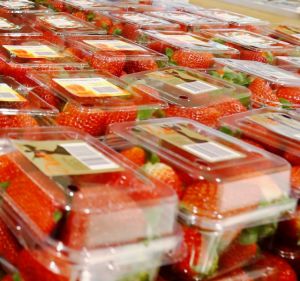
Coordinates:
x,y
186,87
143,21
186,40
86,4
191,20
31,52
20,6
64,23
288,32
249,40
17,99
288,62
117,46
268,72
94,91
14,25
227,182
232,17
82,195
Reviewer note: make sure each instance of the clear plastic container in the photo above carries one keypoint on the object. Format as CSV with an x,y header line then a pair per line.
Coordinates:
x,y
19,56
68,199
275,130
187,49
270,85
115,55
192,94
252,46
188,21
15,26
289,63
20,7
287,33
128,24
56,26
21,107
90,101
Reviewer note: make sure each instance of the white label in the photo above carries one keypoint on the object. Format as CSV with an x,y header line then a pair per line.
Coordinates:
x,y
9,94
197,87
82,3
89,156
16,4
234,17
212,151
26,51
91,87
61,22
113,45
143,19
5,24
181,17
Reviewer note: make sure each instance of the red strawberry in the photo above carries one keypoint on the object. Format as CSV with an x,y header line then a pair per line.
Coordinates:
x,y
116,29
158,46
17,121
89,122
14,277
58,6
8,169
290,230
103,22
296,178
37,265
165,174
135,154
80,15
119,116
193,59
47,96
109,61
9,247
293,158
253,56
230,107
252,142
291,94
262,93
207,116
237,254
279,268
130,31
140,65
235,275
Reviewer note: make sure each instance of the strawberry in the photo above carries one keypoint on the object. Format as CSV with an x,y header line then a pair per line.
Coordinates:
x,y
116,29
14,277
140,65
262,93
252,142
255,56
58,6
119,116
296,178
103,22
279,268
293,158
109,61
9,246
230,107
289,230
135,154
17,121
8,169
33,266
235,275
237,254
158,46
290,94
207,116
47,96
192,59
165,174
80,15
130,31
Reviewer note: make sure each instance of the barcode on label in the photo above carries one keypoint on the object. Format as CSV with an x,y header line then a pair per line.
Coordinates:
x,y
106,89
212,151
89,156
197,87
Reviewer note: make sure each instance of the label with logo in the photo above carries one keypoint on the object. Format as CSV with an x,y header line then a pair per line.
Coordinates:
x,y
61,157
113,45
91,87
61,21
32,52
9,94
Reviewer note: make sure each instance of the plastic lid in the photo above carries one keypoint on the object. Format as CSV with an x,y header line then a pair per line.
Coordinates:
x,y
97,44
268,72
232,17
15,26
289,33
94,91
191,20
82,195
86,4
249,40
240,183
143,21
186,87
16,99
288,62
20,6
36,53
190,41
63,23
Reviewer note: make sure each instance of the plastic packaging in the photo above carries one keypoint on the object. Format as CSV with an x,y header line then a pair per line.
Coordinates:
x,y
19,56
277,131
55,180
270,85
187,49
129,24
289,63
188,21
192,94
252,46
20,7
287,33
90,101
56,26
115,55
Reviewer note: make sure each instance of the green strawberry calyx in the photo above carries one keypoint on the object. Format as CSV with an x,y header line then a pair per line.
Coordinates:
x,y
90,17
16,277
4,185
117,31
57,216
285,104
